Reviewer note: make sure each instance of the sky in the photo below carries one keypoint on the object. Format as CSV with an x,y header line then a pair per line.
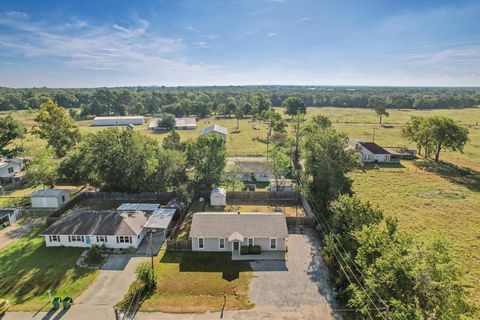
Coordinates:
x,y
183,43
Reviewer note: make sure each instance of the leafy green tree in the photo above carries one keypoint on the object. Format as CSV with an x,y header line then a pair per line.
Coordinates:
x,y
274,123
172,142
239,115
11,131
381,111
327,162
207,155
247,108
280,162
170,171
294,105
42,170
298,130
56,126
261,103
78,166
167,121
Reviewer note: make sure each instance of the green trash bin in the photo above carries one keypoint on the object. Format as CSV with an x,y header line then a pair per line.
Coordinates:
x,y
56,302
67,303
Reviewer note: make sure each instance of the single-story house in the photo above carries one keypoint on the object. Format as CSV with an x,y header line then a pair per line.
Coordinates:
x,y
9,216
118,121
281,185
251,169
180,124
370,152
49,198
10,169
229,231
216,129
218,197
116,230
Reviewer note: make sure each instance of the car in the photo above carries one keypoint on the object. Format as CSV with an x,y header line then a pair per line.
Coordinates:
x,y
4,305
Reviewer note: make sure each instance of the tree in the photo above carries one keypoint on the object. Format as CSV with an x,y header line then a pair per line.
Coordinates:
x,y
207,155
274,122
230,106
298,121
42,170
434,134
167,121
172,142
239,115
261,103
381,111
327,162
170,171
56,126
78,166
294,105
280,162
247,108
11,131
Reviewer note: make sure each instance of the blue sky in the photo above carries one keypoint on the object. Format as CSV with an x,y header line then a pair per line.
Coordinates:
x,y
123,43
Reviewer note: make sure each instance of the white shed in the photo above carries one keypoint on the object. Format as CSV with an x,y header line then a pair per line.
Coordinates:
x,y
9,216
118,121
49,198
218,197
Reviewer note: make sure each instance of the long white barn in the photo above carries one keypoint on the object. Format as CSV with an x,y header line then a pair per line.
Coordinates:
x,y
118,121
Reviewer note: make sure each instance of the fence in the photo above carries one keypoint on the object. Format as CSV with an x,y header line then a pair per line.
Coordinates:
x,y
306,222
308,209
174,231
179,245
247,197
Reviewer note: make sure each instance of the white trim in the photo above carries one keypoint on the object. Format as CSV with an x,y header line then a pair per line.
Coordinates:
x,y
248,241
224,244
203,243
270,244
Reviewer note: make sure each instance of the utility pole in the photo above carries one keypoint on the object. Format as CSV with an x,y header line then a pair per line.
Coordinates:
x,y
150,244
373,138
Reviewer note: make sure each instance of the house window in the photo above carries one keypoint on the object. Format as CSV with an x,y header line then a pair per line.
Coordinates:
x,y
251,243
63,198
124,239
101,238
273,243
75,238
54,238
10,170
221,243
201,243
370,157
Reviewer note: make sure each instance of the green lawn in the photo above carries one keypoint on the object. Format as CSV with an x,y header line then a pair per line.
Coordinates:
x,y
430,205
29,269
195,282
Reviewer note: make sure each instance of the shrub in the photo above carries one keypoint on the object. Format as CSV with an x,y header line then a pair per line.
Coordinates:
x,y
244,250
94,255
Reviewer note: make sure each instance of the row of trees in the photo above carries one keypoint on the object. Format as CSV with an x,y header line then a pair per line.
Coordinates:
x,y
226,101
376,268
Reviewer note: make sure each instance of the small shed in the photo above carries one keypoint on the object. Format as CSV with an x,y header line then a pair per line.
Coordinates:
x,y
9,216
49,198
281,185
218,197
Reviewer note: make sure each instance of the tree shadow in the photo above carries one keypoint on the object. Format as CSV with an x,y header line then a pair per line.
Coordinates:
x,y
207,262
377,166
466,177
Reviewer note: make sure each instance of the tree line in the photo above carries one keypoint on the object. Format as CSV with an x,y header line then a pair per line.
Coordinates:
x,y
226,101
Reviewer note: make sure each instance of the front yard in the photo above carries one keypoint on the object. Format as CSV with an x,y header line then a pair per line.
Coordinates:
x,y
195,282
29,270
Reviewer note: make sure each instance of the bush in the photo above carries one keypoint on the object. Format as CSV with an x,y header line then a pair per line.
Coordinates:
x,y
250,250
94,255
243,250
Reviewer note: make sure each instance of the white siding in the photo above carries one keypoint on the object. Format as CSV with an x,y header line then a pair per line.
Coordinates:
x,y
120,121
110,243
50,202
211,244
367,157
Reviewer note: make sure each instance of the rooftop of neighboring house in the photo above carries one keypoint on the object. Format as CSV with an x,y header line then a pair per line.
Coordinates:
x,y
185,122
214,128
119,118
373,147
250,164
102,223
248,224
281,182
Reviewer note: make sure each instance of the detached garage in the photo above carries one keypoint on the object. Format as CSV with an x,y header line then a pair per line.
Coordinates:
x,y
9,216
49,198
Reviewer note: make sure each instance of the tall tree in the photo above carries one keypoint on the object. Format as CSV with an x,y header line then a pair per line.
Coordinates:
x,y
11,131
261,103
42,170
294,105
57,127
208,156
280,162
167,121
172,142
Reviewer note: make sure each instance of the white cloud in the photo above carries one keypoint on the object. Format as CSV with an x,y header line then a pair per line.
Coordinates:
x,y
271,34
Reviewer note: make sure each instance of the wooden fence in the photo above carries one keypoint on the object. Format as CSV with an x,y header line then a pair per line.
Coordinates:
x,y
179,245
249,197
306,222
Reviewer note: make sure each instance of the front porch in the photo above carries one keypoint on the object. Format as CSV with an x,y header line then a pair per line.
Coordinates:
x,y
265,255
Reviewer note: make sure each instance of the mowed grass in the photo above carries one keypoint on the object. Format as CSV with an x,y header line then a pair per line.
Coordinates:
x,y
430,206
29,269
196,282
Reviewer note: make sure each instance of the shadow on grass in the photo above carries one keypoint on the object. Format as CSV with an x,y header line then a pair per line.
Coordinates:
x,y
207,262
459,175
376,166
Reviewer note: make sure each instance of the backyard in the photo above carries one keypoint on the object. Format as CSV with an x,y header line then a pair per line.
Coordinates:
x,y
196,282
29,270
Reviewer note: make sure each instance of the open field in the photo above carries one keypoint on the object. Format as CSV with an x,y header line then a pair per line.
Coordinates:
x,y
195,282
29,269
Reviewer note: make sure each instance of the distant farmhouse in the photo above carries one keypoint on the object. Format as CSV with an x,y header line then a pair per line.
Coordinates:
x,y
118,121
370,152
216,129
180,124
11,170
251,169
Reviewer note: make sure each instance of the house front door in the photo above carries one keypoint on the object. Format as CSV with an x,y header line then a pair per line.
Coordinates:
x,y
236,246
88,240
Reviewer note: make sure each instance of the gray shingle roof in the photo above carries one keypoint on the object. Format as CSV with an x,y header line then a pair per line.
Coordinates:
x,y
215,128
103,223
223,224
49,192
374,148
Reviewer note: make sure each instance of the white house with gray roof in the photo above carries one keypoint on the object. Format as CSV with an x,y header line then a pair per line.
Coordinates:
x,y
229,231
215,129
115,230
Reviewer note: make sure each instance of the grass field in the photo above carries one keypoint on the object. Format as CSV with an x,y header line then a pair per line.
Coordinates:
x,y
195,282
29,269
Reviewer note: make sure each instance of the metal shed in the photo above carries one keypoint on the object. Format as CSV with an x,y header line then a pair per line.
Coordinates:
x,y
218,197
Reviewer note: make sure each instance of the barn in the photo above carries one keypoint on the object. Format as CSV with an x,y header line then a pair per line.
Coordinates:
x,y
49,198
118,121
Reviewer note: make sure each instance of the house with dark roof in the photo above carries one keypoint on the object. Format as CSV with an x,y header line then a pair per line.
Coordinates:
x,y
370,152
229,231
112,229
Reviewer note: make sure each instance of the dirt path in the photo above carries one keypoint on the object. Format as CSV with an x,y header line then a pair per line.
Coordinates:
x,y
16,231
